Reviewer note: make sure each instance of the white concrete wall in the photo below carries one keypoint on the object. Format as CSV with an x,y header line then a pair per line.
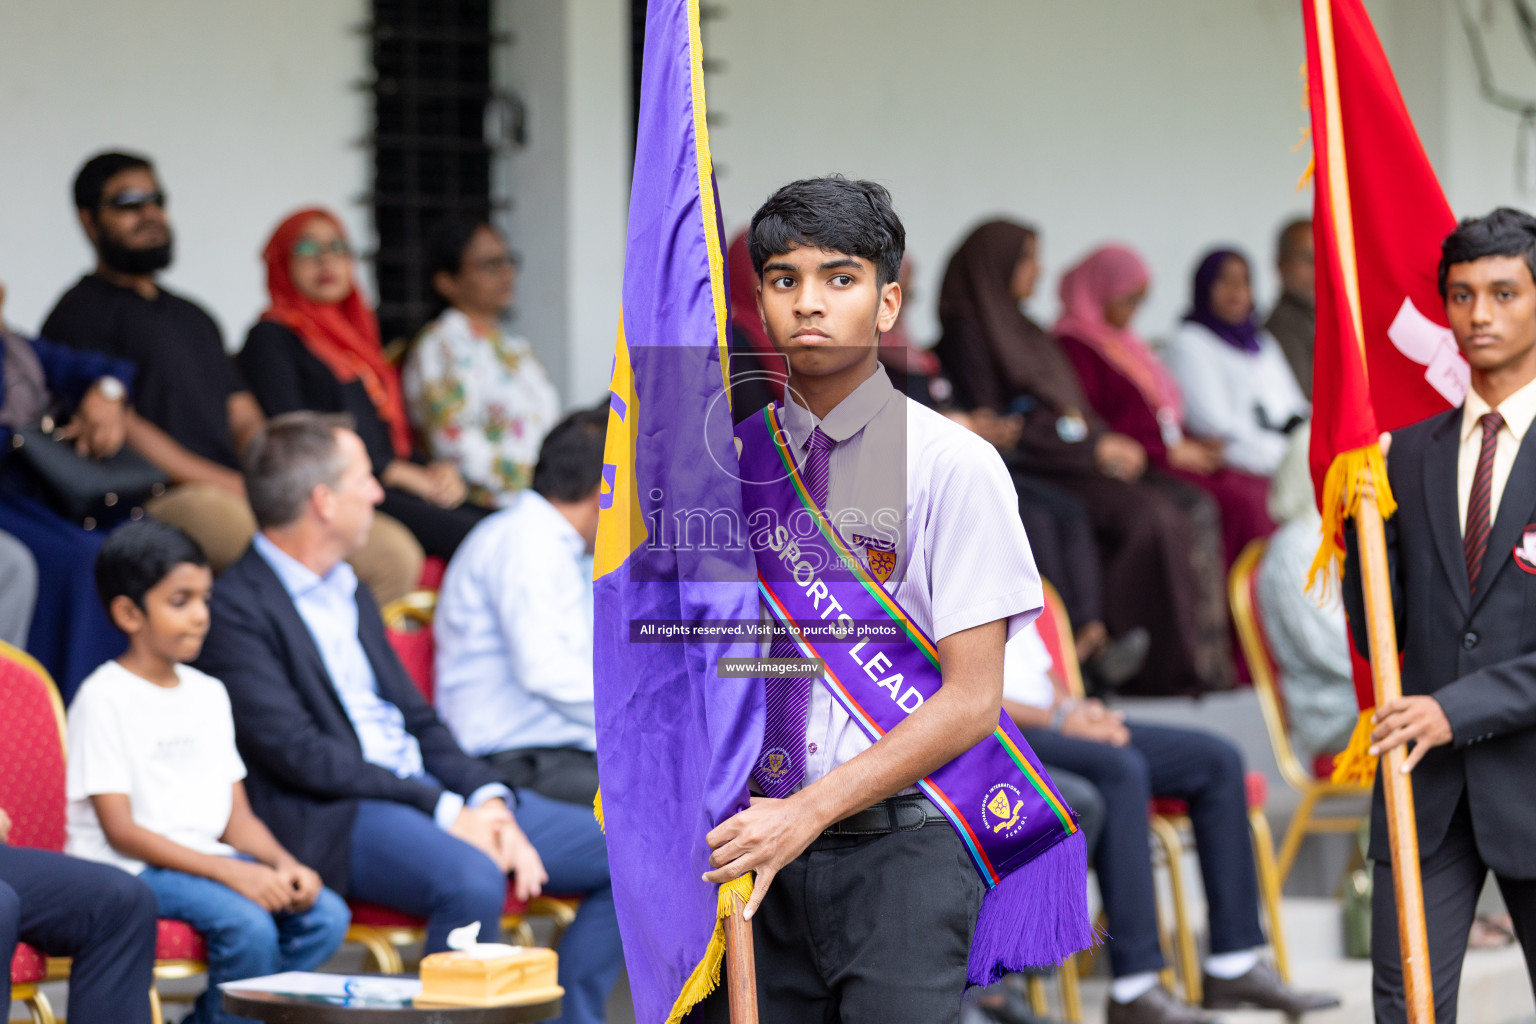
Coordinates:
x,y
248,110
569,187
1166,123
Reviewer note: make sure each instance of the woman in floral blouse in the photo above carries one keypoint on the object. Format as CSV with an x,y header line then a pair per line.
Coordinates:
x,y
479,397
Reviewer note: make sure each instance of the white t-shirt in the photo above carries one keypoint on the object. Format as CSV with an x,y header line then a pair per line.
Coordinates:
x,y
171,750
1027,665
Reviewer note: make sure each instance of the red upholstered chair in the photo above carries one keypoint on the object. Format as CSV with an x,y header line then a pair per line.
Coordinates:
x,y
1312,781
1168,820
28,967
32,738
408,623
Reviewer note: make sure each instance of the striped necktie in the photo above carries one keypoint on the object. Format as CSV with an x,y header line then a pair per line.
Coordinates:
x,y
781,765
1480,504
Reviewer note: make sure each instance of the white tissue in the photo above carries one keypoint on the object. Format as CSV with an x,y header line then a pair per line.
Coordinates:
x,y
464,940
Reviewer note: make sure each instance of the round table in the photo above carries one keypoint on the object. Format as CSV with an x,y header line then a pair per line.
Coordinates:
x,y
279,1009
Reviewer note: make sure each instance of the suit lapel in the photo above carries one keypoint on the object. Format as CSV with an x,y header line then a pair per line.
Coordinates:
x,y
277,599
1440,499
1514,513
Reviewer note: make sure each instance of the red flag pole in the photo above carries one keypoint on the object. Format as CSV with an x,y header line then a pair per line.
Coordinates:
x,y
1381,621
1407,889
741,965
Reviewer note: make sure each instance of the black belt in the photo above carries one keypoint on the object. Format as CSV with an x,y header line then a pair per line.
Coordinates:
x,y
896,814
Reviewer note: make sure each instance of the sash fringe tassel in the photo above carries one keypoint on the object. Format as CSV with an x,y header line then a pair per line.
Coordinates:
x,y
1355,763
1035,917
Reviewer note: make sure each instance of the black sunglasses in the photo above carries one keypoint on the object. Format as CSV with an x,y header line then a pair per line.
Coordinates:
x,y
132,200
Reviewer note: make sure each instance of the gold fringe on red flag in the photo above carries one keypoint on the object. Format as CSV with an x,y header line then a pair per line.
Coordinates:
x,y
1342,489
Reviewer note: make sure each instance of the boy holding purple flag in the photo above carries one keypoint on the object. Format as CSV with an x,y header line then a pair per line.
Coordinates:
x,y
905,842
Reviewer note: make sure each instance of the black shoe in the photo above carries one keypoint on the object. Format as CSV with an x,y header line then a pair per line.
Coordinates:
x,y
1263,988
1156,1006
1119,659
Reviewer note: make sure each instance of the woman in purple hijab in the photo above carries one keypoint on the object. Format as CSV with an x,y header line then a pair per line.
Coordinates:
x,y
1236,383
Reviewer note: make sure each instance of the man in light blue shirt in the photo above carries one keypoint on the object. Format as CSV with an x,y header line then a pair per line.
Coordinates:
x,y
514,624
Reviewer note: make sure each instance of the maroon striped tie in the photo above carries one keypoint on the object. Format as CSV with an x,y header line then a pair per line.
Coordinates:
x,y
1479,505
781,765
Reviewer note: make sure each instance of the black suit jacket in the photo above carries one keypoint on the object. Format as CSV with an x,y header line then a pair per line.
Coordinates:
x,y
305,765
1475,655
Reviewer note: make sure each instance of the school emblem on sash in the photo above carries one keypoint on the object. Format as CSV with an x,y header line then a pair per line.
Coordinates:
x,y
880,554
1003,811
774,763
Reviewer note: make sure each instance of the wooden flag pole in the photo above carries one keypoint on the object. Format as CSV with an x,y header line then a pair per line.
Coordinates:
x,y
1402,832
741,966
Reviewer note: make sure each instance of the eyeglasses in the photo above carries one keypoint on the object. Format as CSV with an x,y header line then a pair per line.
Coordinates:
x,y
309,249
132,200
494,264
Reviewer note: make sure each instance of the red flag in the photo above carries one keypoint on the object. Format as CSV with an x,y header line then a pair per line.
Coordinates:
x,y
1384,355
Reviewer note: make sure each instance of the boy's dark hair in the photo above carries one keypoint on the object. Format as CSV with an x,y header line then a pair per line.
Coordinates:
x,y
571,457
138,555
1504,232
445,254
99,170
834,213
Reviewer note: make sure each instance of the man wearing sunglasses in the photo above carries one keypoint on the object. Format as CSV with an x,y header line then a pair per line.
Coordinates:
x,y
195,411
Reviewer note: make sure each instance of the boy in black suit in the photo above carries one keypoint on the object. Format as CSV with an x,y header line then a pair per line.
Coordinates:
x,y
1462,561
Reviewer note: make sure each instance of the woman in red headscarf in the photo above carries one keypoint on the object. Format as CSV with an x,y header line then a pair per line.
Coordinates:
x,y
317,347
1137,396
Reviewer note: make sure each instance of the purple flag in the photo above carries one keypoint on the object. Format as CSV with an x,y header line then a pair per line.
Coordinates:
x,y
675,744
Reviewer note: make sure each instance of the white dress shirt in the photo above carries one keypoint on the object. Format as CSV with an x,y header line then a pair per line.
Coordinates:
x,y
328,606
903,474
513,629
1518,410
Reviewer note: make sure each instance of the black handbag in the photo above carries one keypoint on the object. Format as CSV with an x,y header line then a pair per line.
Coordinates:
x,y
91,492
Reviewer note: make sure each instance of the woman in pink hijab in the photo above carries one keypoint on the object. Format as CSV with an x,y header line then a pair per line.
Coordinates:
x,y
1136,395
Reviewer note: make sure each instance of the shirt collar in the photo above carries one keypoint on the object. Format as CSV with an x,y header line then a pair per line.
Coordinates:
x,y
539,505
1518,410
299,579
850,416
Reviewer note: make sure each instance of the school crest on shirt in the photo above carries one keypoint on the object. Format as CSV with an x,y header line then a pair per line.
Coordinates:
x,y
879,555
1525,554
1003,810
774,763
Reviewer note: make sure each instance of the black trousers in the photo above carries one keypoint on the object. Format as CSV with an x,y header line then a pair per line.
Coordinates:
x,y
1198,767
865,930
1060,532
98,914
1453,876
560,773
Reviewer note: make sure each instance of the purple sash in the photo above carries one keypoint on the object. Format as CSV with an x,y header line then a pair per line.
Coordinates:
x,y
1020,835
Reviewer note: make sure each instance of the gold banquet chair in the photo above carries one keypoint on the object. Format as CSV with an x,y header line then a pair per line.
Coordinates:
x,y
1313,783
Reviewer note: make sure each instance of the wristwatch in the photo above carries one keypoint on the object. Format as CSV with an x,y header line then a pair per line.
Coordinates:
x,y
112,389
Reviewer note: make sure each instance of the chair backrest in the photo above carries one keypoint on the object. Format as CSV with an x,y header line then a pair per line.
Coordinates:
x,y
1242,595
1056,630
31,751
408,624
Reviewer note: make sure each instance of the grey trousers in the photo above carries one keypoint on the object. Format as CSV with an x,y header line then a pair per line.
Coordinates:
x,y
18,590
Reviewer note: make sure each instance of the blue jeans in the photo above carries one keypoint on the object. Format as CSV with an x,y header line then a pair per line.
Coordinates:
x,y
401,859
245,941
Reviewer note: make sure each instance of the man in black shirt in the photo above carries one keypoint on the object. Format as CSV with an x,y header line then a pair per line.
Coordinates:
x,y
194,410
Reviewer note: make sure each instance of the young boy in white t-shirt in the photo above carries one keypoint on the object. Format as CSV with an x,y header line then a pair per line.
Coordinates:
x,y
154,778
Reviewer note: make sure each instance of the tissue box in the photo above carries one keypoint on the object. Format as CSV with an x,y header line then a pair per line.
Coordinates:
x,y
517,977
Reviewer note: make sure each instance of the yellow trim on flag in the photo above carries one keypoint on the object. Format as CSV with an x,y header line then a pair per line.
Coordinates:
x,y
712,241
706,976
